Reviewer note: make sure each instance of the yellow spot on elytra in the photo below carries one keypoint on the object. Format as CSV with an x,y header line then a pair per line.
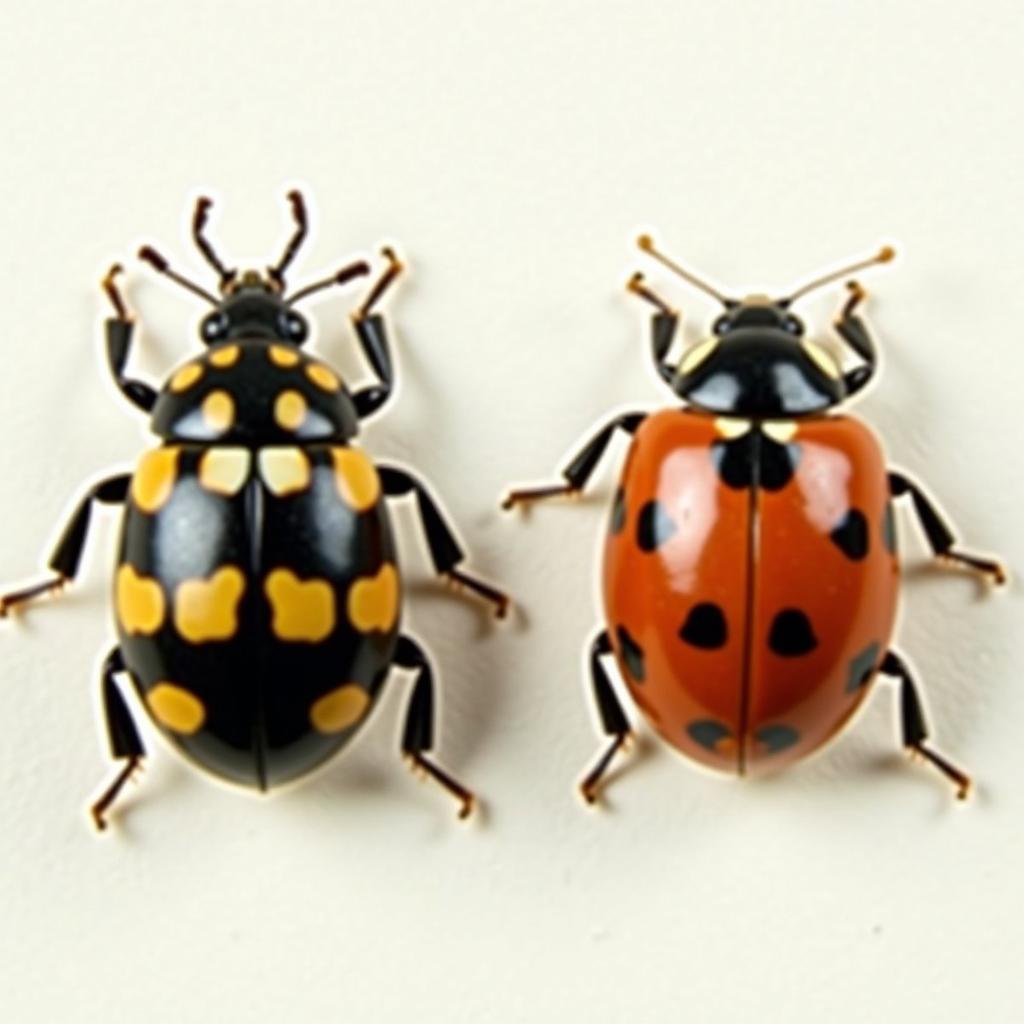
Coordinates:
x,y
290,410
373,600
693,357
339,709
284,470
356,478
219,411
224,470
154,479
186,377
175,708
207,609
782,431
323,377
730,428
303,609
283,356
822,357
225,356
139,601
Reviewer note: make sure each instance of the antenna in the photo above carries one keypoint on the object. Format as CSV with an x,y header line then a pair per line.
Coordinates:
x,y
343,276
884,255
646,243
301,227
203,204
158,263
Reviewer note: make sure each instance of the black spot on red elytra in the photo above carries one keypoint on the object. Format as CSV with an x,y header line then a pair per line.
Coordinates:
x,y
618,518
632,653
776,737
654,526
852,535
791,634
708,732
755,458
889,529
862,667
705,627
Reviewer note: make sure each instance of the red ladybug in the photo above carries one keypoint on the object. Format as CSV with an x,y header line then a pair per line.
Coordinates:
x,y
750,574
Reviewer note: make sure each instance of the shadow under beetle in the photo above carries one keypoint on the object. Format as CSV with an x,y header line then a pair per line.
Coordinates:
x,y
750,571
257,591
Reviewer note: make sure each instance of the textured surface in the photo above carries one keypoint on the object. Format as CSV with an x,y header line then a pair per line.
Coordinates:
x,y
513,150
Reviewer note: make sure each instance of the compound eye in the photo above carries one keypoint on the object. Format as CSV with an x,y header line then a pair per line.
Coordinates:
x,y
722,324
294,327
793,325
214,328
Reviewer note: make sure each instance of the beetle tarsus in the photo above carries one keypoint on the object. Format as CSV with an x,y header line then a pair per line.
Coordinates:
x,y
590,786
102,805
8,602
991,569
110,288
530,494
391,271
495,597
637,287
960,779
467,801
858,293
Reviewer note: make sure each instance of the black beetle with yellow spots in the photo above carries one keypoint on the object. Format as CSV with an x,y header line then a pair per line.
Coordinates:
x,y
257,592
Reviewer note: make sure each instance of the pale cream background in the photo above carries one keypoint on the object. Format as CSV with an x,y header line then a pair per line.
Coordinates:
x,y
513,150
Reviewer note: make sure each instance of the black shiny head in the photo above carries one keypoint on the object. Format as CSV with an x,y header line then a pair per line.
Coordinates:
x,y
253,307
252,304
757,362
758,365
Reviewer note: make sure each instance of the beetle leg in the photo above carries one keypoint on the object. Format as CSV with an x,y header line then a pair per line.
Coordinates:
x,y
384,282
854,332
915,727
67,555
664,324
373,337
9,601
418,735
637,286
939,534
445,551
122,736
579,471
119,330
613,718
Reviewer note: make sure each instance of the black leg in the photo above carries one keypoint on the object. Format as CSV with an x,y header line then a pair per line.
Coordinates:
x,y
914,726
939,534
418,735
663,325
123,737
853,331
445,551
67,555
579,471
613,718
373,337
119,342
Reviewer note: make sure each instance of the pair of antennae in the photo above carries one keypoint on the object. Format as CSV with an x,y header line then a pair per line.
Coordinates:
x,y
227,274
884,255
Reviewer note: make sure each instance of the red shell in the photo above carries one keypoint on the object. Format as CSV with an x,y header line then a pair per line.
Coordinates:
x,y
804,579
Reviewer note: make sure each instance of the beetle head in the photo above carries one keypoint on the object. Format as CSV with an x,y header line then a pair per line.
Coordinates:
x,y
252,304
252,307
757,362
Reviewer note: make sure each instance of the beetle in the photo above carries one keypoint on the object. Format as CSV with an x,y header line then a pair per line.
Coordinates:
x,y
750,574
257,593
